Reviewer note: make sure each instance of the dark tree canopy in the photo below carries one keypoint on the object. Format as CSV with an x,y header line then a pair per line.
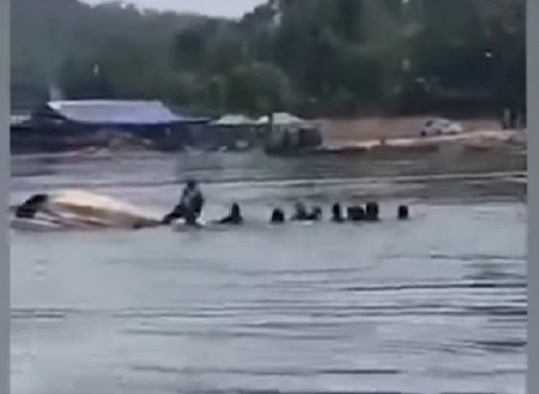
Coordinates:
x,y
316,57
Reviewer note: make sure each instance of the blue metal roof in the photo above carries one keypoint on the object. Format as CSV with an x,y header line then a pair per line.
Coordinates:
x,y
117,112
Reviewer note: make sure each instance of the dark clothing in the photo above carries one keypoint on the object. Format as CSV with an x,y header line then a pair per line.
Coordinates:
x,y
277,216
182,212
25,212
192,199
178,212
29,208
234,217
372,211
355,213
231,220
189,207
403,213
337,213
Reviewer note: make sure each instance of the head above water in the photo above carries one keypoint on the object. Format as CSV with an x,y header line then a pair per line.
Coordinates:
x,y
336,211
403,212
235,210
277,216
372,210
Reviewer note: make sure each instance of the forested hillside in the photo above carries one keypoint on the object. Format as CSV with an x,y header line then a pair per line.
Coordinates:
x,y
316,57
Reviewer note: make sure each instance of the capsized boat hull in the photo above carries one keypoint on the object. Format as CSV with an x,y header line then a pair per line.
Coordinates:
x,y
35,225
78,209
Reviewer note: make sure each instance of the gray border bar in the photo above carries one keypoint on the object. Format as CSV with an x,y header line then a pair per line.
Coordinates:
x,y
4,191
532,99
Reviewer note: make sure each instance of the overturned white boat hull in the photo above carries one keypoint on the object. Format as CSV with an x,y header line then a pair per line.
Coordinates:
x,y
78,209
35,225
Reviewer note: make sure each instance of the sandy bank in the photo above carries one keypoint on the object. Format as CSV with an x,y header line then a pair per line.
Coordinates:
x,y
374,128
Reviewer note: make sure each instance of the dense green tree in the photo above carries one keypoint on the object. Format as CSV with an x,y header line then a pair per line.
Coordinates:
x,y
339,57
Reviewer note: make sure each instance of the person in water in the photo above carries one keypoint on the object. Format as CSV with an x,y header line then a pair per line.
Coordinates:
x,y
277,216
336,213
316,214
234,217
300,213
355,213
372,211
190,205
31,207
303,215
403,212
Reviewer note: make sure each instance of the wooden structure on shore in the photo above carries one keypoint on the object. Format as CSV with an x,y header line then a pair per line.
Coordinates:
x,y
232,132
289,134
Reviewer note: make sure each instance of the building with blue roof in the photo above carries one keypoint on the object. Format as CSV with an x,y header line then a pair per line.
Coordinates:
x,y
80,123
120,113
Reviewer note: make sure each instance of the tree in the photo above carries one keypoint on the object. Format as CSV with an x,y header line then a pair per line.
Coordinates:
x,y
320,57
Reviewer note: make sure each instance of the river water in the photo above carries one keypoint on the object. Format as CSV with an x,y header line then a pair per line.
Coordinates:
x,y
434,305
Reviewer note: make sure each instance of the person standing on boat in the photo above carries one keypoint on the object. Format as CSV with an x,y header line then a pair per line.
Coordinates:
x,y
190,205
193,200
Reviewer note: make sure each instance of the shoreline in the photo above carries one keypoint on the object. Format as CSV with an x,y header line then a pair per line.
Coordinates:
x,y
484,163
359,142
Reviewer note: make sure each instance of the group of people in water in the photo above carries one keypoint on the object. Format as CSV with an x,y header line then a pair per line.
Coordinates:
x,y
192,202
